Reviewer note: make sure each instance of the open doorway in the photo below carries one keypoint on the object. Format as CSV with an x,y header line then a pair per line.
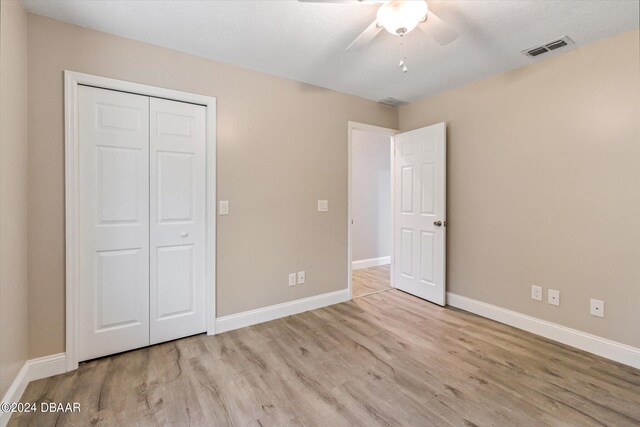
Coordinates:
x,y
370,208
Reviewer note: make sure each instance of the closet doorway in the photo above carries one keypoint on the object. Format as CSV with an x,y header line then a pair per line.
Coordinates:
x,y
140,183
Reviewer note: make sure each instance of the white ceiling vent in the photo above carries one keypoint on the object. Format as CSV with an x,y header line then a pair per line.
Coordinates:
x,y
393,102
548,47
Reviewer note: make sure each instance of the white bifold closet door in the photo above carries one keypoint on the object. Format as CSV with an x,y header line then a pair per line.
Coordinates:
x,y
142,224
177,217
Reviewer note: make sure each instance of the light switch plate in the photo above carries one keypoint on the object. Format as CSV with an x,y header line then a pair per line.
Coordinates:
x,y
553,297
301,277
224,207
323,205
597,307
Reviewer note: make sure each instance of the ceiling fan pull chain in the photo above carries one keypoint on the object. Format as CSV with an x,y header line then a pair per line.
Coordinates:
x,y
403,61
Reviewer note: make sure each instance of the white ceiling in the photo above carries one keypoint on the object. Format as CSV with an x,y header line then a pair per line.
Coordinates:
x,y
306,41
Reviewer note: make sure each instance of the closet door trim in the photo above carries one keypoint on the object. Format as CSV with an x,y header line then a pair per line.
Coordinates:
x,y
72,81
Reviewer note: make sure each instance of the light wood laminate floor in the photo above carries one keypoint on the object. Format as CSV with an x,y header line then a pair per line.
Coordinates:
x,y
366,281
383,359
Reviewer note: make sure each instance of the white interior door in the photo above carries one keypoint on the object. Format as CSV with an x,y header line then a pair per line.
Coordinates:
x,y
113,254
177,269
419,211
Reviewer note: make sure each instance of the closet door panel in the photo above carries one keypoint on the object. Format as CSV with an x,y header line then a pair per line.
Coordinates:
x,y
113,292
177,215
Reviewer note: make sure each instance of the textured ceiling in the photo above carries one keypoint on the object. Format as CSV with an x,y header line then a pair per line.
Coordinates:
x,y
306,41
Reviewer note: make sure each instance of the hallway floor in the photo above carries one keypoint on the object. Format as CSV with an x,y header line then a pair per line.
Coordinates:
x,y
366,281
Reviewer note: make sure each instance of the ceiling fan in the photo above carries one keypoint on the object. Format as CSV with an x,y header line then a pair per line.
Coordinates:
x,y
399,17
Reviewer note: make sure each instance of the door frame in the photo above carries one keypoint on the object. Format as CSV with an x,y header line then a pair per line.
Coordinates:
x,y
391,133
71,82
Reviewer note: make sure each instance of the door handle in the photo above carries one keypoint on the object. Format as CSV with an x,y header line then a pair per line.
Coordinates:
x,y
437,223
184,234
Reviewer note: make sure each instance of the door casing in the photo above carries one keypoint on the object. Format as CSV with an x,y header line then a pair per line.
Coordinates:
x,y
72,81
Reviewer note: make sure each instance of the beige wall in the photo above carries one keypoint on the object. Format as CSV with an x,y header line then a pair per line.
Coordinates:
x,y
544,186
13,191
282,146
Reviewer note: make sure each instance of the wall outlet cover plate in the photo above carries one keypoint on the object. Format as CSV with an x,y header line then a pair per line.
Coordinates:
x,y
536,293
553,297
597,308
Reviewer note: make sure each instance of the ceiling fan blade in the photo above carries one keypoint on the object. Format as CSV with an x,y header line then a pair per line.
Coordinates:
x,y
365,37
343,1
442,32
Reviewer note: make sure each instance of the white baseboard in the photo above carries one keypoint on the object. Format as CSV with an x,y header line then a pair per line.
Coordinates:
x,y
32,370
47,366
371,262
613,350
264,314
15,391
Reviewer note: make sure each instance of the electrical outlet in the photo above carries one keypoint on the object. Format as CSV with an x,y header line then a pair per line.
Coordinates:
x,y
536,292
553,297
292,279
301,277
597,307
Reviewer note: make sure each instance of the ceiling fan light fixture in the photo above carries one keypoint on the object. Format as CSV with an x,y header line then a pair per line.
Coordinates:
x,y
401,16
